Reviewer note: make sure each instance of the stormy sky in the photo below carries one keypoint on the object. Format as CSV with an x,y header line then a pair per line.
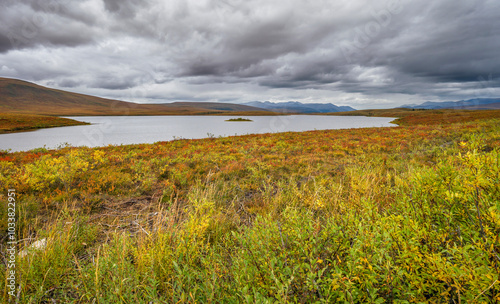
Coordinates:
x,y
365,54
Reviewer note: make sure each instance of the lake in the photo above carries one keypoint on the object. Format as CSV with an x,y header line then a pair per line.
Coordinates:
x,y
117,130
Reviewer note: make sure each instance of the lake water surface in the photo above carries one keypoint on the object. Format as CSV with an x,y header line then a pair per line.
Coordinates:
x,y
117,130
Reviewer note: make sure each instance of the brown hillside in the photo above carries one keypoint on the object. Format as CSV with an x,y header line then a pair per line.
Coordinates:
x,y
21,97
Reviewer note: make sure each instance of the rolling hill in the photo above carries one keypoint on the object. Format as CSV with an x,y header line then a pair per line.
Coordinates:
x,y
22,97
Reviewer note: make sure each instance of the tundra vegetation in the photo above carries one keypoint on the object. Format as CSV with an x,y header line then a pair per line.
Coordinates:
x,y
239,119
24,122
379,215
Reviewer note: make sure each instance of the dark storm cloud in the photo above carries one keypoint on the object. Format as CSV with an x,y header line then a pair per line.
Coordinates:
x,y
28,24
125,8
245,50
5,43
113,84
67,83
254,49
460,43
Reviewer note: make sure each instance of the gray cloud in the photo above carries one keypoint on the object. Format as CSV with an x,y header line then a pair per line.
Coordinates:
x,y
28,24
381,53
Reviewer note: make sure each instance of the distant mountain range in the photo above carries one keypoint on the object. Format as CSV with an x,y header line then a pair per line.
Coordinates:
x,y
470,104
298,107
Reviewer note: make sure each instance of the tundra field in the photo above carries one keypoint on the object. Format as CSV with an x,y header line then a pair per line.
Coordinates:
x,y
10,123
406,214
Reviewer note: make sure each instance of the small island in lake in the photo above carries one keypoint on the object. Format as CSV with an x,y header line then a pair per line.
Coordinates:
x,y
239,119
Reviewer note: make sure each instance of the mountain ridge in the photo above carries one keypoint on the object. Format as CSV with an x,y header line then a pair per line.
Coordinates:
x,y
469,104
298,107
